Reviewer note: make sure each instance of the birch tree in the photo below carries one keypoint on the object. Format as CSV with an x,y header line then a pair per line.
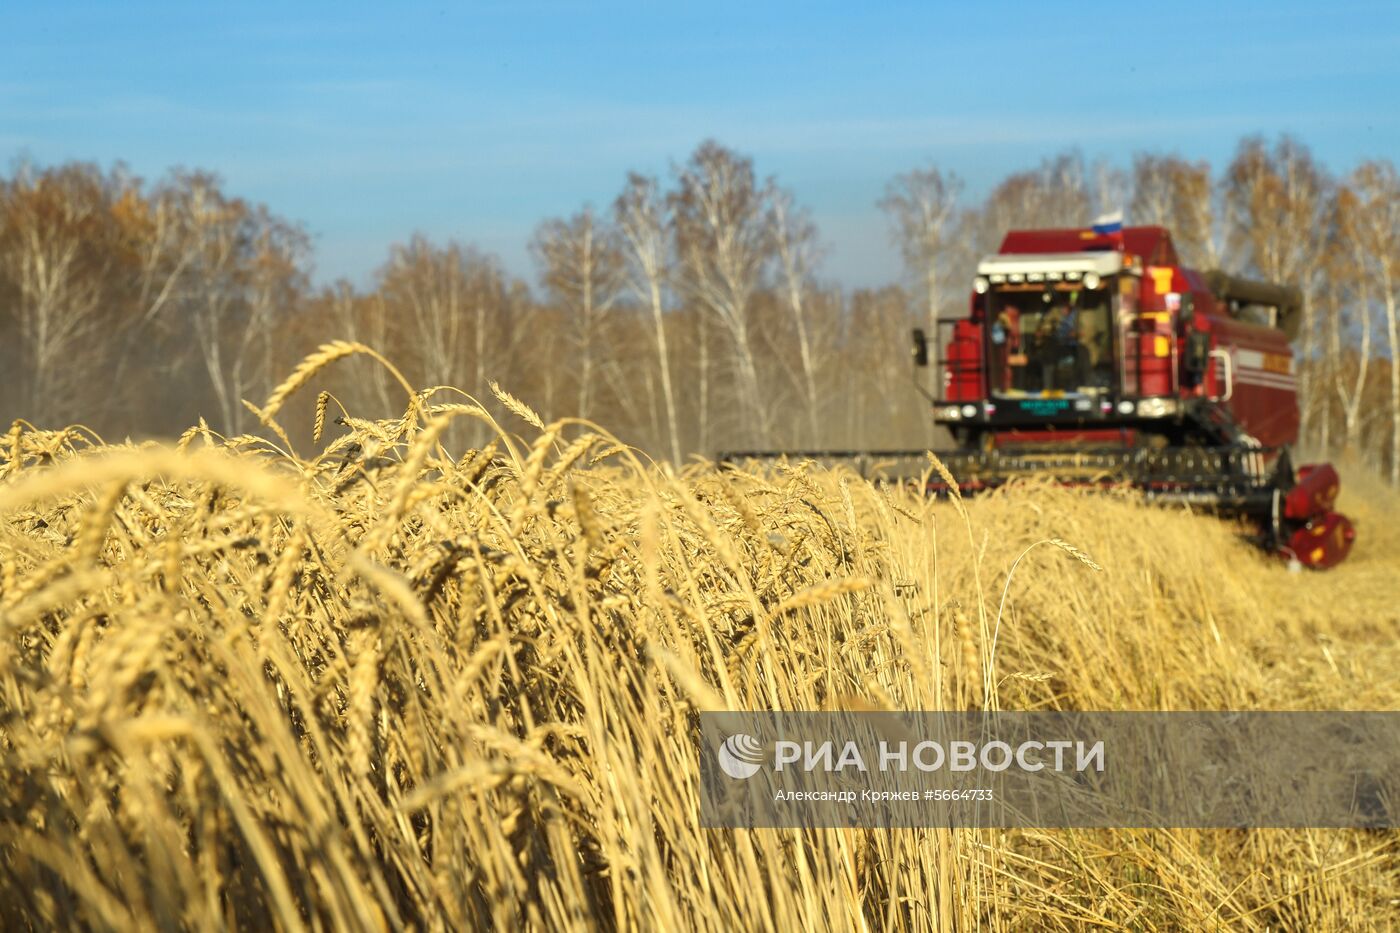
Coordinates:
x,y
275,280
362,319
425,288
1171,192
1279,199
454,321
55,251
581,269
158,233
723,246
1346,299
795,238
921,206
639,215
1376,231
247,265
213,291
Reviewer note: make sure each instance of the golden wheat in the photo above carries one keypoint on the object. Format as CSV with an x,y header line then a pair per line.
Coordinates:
x,y
242,688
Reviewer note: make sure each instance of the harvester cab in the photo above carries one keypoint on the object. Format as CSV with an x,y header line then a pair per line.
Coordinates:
x,y
1099,358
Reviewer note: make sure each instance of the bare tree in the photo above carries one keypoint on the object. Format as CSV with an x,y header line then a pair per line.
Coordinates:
x,y
248,263
163,230
426,288
1111,185
638,212
453,318
159,236
274,282
213,292
723,246
884,410
1279,201
1054,194
362,319
581,268
55,253
1059,193
1154,193
922,205
1169,191
1376,231
795,238
1346,301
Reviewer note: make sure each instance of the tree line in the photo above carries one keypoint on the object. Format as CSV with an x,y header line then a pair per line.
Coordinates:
x,y
689,314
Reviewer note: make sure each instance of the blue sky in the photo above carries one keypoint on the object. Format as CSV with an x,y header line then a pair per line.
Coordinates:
x,y
368,122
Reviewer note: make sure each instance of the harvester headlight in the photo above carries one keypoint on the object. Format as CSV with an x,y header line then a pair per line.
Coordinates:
x,y
1092,280
947,413
969,411
1125,407
1156,407
981,284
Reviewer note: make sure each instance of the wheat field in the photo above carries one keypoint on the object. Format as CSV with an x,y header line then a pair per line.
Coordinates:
x,y
384,685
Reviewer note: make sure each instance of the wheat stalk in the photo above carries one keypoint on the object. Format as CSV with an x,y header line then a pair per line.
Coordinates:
x,y
325,355
822,593
996,629
1075,552
323,399
517,406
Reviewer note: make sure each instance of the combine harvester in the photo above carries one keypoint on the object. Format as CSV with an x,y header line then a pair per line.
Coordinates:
x,y
1093,356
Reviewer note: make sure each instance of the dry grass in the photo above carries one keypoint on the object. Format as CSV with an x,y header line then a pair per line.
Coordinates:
x,y
407,689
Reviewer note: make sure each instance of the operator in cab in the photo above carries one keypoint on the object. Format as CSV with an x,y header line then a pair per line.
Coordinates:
x,y
1054,343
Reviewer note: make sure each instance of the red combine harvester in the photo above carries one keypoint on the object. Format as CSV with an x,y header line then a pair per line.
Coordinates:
x,y
1097,358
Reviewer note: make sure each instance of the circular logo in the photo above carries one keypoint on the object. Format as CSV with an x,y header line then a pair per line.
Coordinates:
x,y
740,756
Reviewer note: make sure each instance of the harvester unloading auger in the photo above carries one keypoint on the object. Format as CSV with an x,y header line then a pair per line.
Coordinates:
x,y
1093,356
